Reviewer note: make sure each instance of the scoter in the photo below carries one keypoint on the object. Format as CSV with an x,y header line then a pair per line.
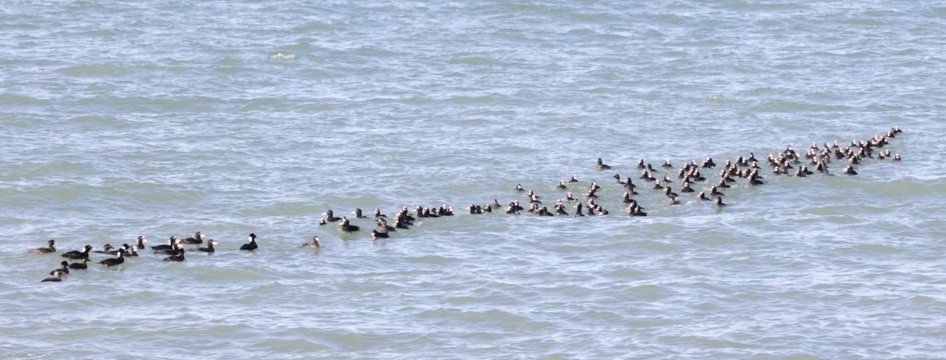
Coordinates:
x,y
170,245
601,165
330,216
176,257
314,243
114,261
197,239
114,251
49,248
140,242
209,248
63,266
105,249
75,254
79,265
346,226
375,234
57,277
378,214
172,250
251,245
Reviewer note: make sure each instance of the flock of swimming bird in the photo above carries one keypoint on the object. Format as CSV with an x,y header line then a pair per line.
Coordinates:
x,y
787,162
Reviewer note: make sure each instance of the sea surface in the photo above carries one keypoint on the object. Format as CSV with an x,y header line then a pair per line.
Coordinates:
x,y
128,118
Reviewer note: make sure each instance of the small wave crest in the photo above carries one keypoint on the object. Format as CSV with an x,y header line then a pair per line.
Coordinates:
x,y
282,57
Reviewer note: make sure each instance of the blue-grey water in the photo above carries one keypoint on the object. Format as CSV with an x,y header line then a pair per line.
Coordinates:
x,y
125,118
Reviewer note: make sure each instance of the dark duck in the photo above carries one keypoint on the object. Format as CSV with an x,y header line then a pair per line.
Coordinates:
x,y
170,245
346,226
75,254
209,248
63,266
178,257
140,242
600,165
197,239
49,248
79,265
330,216
106,249
313,243
251,244
57,277
115,260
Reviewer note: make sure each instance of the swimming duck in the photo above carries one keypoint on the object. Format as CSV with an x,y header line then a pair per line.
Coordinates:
x,y
114,251
383,224
669,193
173,240
578,210
209,248
708,163
63,266
105,249
314,243
330,216
715,191
57,277
115,260
719,202
378,214
79,265
602,166
178,243
140,242
723,184
49,248
251,245
178,257
560,208
346,226
197,239
84,254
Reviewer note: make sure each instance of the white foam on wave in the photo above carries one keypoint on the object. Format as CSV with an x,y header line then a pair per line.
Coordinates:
x,y
282,57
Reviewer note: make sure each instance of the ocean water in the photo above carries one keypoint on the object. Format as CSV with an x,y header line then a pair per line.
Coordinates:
x,y
121,119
